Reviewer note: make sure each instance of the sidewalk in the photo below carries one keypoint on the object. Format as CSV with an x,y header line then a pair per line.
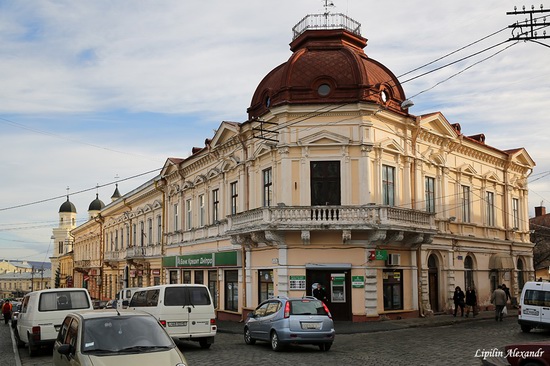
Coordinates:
x,y
7,351
343,327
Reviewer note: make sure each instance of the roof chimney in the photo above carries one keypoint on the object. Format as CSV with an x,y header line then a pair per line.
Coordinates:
x,y
540,211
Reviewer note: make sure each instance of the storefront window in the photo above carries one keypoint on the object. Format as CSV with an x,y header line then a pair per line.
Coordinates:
x,y
393,289
231,290
266,285
173,277
199,277
213,286
186,276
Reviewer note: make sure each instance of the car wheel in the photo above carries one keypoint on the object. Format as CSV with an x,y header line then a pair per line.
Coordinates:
x,y
525,328
275,344
204,344
18,341
248,338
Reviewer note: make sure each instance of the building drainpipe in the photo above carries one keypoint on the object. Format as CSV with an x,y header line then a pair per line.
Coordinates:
x,y
246,208
163,220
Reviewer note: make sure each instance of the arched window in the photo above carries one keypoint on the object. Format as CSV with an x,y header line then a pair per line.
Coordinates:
x,y
468,272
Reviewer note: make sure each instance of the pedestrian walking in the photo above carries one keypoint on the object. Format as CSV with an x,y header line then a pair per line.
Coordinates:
x,y
471,301
498,298
458,298
507,292
6,311
320,293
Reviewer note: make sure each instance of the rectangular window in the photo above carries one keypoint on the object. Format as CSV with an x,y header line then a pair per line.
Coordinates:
x,y
393,289
201,210
215,205
265,282
490,200
150,231
515,213
121,238
141,233
430,194
234,196
465,204
159,229
116,240
268,187
173,277
134,238
388,185
176,217
189,214
213,286
199,277
232,290
128,244
186,276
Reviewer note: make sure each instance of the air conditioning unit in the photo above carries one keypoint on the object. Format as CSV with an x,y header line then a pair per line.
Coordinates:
x,y
393,260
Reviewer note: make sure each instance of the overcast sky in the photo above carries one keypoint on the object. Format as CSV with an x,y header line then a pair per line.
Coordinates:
x,y
95,90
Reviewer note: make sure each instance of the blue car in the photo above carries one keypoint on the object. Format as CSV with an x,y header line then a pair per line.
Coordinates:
x,y
283,321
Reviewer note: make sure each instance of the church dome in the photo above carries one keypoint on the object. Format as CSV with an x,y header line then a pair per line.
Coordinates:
x,y
97,204
67,206
328,66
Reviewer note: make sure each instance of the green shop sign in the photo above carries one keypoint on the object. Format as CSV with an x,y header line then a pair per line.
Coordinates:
x,y
357,281
203,260
381,255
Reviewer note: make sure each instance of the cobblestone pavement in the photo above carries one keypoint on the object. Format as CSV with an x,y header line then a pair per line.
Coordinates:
x,y
455,344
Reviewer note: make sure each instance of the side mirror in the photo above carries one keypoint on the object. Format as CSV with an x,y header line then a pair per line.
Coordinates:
x,y
65,349
125,303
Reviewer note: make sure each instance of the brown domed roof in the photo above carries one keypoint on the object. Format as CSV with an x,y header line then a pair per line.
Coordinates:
x,y
328,66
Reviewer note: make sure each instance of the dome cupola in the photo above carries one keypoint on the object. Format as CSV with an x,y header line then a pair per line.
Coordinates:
x,y
328,66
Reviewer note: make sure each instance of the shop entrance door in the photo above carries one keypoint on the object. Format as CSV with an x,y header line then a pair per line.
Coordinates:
x,y
337,285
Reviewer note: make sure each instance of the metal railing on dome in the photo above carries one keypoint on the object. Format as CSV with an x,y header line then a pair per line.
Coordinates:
x,y
326,21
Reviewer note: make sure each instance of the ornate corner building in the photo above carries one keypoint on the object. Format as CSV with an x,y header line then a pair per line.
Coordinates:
x,y
330,180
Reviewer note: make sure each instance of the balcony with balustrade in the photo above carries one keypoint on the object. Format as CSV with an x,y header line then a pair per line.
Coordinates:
x,y
372,223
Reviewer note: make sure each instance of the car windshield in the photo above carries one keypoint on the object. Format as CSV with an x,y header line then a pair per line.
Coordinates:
x,y
307,307
124,333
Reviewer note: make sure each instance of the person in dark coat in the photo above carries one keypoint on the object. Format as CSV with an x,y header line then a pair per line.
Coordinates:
x,y
458,298
320,293
507,292
471,301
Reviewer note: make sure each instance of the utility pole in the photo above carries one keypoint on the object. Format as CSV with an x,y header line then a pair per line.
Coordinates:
x,y
530,28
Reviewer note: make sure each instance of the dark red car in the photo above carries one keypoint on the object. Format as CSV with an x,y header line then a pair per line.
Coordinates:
x,y
532,354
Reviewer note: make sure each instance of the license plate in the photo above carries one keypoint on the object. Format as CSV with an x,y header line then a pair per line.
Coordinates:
x,y
311,326
177,324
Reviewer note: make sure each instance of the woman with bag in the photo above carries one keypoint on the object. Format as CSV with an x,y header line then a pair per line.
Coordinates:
x,y
458,298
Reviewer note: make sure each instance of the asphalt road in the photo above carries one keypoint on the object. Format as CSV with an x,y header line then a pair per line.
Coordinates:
x,y
445,345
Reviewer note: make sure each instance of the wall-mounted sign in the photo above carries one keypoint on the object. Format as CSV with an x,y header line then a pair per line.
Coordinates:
x,y
297,283
381,255
357,281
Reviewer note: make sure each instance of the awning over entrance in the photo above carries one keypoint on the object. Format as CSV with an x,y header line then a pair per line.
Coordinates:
x,y
501,261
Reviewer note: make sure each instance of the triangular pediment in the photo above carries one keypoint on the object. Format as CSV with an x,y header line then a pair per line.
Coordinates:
x,y
391,145
262,150
492,176
170,166
199,179
188,185
521,157
324,138
212,173
437,123
467,169
224,133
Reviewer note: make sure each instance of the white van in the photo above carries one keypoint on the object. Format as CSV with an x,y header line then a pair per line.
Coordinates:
x,y
42,313
534,309
124,296
186,311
